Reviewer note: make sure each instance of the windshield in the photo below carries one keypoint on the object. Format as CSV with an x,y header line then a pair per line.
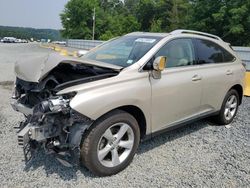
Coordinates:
x,y
123,51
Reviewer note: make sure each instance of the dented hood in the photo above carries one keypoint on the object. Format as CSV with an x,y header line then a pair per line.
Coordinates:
x,y
35,68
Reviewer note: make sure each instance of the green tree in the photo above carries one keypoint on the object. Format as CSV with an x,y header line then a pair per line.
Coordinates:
x,y
120,26
179,14
112,19
27,33
229,19
162,15
77,18
146,10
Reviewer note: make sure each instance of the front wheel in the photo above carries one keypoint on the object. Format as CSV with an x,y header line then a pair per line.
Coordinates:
x,y
111,143
229,108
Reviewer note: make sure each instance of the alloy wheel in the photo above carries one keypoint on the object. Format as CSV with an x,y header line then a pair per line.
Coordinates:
x,y
115,145
231,107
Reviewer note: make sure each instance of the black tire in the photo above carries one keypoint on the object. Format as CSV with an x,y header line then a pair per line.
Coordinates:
x,y
90,142
221,119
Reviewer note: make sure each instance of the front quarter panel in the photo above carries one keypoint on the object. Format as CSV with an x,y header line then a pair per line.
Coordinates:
x,y
130,88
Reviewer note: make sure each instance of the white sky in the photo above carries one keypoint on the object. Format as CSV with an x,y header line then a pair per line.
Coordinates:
x,y
32,13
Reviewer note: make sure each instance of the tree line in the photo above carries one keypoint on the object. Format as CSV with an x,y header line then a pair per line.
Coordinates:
x,y
228,19
28,33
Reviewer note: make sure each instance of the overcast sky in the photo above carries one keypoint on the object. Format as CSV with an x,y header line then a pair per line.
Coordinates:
x,y
31,13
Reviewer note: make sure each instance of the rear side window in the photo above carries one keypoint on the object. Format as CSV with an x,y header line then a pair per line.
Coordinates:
x,y
209,52
227,56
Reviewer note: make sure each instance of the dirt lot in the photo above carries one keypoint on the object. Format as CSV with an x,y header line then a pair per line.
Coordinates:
x,y
198,155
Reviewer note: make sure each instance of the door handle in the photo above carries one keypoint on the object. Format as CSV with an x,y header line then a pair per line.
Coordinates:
x,y
196,78
229,72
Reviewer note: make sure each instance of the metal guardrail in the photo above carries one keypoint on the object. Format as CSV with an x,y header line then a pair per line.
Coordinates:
x,y
83,44
244,53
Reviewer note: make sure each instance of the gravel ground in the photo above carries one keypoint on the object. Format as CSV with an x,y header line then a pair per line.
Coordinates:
x,y
198,155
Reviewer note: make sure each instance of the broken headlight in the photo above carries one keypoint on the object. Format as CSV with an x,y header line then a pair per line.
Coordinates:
x,y
56,104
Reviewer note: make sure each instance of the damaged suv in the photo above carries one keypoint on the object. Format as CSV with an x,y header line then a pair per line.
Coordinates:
x,y
94,110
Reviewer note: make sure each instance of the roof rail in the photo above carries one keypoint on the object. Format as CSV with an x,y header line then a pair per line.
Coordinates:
x,y
179,31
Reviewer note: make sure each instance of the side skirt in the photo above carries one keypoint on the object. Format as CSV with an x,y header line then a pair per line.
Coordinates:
x,y
179,124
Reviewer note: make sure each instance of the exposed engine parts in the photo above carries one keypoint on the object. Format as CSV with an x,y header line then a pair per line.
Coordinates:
x,y
49,120
54,125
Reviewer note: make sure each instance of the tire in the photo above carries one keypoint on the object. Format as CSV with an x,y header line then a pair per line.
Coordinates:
x,y
99,148
227,114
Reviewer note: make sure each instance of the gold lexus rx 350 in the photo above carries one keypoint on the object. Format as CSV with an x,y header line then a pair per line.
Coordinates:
x,y
96,109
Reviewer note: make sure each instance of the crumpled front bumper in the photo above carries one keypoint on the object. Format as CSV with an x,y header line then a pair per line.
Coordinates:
x,y
52,129
23,136
29,136
24,130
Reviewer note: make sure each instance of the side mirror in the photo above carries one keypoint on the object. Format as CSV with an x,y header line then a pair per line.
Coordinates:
x,y
159,65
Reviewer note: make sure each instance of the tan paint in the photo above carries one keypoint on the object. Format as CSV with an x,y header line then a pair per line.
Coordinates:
x,y
173,98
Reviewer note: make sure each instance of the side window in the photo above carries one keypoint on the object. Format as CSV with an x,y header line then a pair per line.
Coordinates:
x,y
227,56
179,52
209,52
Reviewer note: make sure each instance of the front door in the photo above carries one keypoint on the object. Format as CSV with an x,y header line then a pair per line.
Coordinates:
x,y
177,95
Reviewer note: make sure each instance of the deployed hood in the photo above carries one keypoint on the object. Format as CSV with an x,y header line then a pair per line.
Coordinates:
x,y
35,68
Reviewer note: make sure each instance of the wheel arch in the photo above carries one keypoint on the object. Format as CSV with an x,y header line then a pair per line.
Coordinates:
x,y
137,113
239,89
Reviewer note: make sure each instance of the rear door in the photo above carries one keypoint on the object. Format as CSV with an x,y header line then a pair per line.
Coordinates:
x,y
217,69
177,95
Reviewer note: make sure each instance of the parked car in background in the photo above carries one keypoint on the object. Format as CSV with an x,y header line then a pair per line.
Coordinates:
x,y
9,40
24,41
59,42
98,108
81,53
18,41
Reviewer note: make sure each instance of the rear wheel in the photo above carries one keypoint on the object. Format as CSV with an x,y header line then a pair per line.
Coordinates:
x,y
110,145
229,108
